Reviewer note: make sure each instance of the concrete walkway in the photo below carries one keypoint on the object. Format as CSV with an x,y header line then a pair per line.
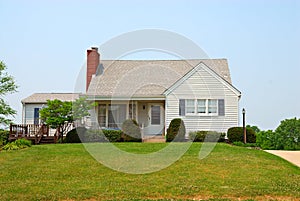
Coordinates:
x,y
291,156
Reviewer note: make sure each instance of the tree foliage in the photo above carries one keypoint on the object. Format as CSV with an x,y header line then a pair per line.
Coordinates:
x,y
57,114
285,137
7,86
81,108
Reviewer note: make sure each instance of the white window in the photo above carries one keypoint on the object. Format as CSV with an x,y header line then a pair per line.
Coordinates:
x,y
190,106
212,106
201,106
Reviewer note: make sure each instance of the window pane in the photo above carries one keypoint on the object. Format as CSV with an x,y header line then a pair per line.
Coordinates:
x,y
116,115
201,106
155,115
212,106
190,106
132,111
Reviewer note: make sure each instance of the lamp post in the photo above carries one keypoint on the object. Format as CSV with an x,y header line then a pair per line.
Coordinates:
x,y
244,126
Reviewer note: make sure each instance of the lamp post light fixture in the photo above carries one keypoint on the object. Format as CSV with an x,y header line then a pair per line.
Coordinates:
x,y
244,126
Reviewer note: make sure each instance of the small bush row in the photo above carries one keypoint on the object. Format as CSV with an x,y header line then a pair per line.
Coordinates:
x,y
130,133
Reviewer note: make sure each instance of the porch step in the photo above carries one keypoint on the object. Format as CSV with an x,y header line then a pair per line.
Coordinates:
x,y
154,139
47,140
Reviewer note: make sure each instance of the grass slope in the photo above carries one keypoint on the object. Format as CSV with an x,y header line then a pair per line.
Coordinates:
x,y
68,172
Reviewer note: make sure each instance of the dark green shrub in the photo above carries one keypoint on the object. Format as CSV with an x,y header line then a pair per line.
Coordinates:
x,y
94,135
208,136
176,131
285,137
267,140
75,135
113,135
4,134
236,134
131,131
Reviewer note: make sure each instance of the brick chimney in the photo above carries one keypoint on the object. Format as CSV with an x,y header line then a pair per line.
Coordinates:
x,y
93,60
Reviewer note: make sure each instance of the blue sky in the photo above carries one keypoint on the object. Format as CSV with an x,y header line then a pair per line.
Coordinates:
x,y
44,44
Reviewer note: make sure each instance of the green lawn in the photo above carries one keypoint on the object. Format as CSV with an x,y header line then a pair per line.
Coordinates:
x,y
68,172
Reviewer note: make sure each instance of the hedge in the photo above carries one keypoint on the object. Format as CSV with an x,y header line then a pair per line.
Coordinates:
x,y
208,136
236,134
176,131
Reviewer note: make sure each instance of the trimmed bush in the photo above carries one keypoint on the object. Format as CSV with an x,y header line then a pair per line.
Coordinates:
x,y
73,135
209,136
176,131
131,131
93,135
236,134
113,135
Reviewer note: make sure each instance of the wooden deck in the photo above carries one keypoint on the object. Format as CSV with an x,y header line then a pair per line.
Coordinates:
x,y
38,134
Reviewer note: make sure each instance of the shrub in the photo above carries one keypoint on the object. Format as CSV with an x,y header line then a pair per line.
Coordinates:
x,y
266,139
236,134
176,131
94,135
285,137
4,134
131,131
73,137
23,143
10,146
113,135
18,144
208,136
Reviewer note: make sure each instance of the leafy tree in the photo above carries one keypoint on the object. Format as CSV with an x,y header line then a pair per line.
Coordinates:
x,y
285,137
57,114
7,86
81,109
289,132
254,128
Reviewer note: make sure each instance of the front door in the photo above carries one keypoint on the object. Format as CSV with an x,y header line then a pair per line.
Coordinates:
x,y
156,119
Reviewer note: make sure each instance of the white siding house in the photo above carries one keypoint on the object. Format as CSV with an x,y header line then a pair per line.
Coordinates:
x,y
154,92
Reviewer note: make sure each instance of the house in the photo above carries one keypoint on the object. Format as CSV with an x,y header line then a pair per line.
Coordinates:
x,y
33,104
153,92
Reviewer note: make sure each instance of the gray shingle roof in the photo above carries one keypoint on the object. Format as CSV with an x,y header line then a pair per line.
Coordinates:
x,y
147,77
43,97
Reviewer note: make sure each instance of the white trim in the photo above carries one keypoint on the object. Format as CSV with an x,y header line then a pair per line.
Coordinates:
x,y
206,114
193,71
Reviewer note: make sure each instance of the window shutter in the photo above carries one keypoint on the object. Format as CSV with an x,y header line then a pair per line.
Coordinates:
x,y
221,107
181,107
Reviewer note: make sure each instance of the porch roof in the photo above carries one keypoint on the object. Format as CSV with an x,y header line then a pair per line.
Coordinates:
x,y
43,97
146,78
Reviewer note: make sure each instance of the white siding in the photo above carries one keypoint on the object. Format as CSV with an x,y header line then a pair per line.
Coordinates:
x,y
203,85
29,112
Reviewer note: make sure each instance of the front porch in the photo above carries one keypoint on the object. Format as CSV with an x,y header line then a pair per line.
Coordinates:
x,y
149,114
